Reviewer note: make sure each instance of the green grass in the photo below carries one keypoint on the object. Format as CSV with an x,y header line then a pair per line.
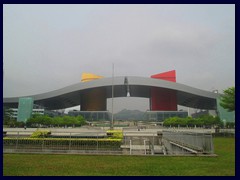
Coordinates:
x,y
93,165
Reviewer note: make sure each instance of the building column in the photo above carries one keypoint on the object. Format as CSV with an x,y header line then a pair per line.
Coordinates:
x,y
94,100
163,100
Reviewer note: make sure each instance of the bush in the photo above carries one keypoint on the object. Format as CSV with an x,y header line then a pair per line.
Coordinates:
x,y
38,120
115,134
230,125
204,120
41,134
90,143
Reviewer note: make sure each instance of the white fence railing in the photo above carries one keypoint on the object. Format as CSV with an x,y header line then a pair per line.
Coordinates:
x,y
199,142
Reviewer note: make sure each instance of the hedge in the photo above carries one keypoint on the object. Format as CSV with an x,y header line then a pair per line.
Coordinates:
x,y
115,134
62,142
40,134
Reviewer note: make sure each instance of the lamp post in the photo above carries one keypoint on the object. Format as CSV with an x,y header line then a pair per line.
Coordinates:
x,y
111,127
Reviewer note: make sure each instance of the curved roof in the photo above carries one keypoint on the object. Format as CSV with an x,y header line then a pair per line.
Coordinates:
x,y
137,86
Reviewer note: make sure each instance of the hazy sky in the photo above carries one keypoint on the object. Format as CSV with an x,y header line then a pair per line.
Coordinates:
x,y
47,47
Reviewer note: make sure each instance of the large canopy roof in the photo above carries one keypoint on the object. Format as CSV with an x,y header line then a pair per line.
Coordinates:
x,y
137,87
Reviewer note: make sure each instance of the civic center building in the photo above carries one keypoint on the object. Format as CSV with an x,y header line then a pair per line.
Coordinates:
x,y
162,90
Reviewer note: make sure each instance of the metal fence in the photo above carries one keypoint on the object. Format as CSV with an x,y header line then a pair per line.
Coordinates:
x,y
62,142
97,142
142,144
193,142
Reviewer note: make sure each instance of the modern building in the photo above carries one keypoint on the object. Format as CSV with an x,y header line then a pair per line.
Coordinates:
x,y
224,114
25,106
162,90
14,113
204,112
35,110
164,99
160,116
91,115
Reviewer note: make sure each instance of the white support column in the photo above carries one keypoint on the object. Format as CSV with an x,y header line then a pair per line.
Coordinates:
x,y
144,142
130,146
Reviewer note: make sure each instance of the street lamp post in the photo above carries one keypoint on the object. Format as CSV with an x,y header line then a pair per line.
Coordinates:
x,y
111,127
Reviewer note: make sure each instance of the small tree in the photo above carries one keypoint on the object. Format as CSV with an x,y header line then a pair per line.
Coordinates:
x,y
228,99
7,114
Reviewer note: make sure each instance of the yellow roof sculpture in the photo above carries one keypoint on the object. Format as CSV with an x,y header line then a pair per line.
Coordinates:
x,y
89,77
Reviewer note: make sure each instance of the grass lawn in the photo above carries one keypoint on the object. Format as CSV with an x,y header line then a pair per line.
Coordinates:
x,y
93,165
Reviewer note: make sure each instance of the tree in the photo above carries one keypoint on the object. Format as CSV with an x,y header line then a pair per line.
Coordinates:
x,y
34,121
228,99
81,120
7,113
207,120
44,120
8,117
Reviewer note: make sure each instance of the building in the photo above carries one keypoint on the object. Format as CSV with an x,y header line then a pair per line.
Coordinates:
x,y
91,115
224,115
35,110
160,116
162,90
25,106
164,99
204,112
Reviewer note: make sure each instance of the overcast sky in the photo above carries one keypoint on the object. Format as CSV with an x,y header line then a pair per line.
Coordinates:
x,y
47,47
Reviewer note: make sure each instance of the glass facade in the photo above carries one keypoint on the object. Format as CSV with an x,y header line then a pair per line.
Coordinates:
x,y
92,115
25,107
224,114
160,116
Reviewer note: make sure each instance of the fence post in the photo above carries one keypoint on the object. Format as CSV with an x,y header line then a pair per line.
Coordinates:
x,y
97,142
212,146
144,142
196,140
153,145
42,143
125,139
182,140
70,141
130,146
17,140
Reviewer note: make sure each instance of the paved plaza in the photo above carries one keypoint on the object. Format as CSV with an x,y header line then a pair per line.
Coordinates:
x,y
100,131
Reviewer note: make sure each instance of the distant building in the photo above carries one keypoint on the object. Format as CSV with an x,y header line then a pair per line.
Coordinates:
x,y
204,112
224,114
34,111
25,107
91,115
160,116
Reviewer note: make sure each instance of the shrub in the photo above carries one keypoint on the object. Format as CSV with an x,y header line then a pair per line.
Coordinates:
x,y
230,124
115,134
59,142
40,134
